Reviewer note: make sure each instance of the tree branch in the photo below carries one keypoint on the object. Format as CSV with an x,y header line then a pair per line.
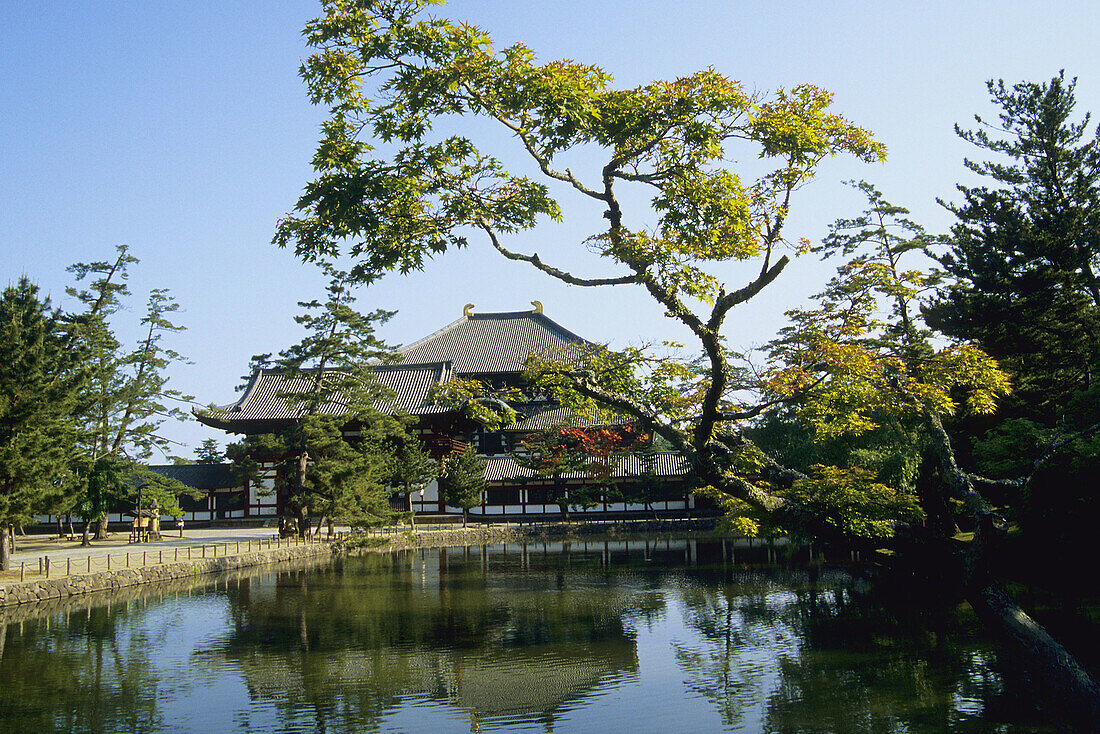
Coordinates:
x,y
549,270
542,161
1052,447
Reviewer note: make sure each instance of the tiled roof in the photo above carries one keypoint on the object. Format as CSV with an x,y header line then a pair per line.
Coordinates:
x,y
411,384
666,464
199,476
539,417
492,342
261,401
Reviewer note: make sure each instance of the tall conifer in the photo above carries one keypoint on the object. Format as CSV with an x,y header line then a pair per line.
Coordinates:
x,y
38,382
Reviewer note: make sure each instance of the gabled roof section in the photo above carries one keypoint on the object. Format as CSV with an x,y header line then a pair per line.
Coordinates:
x,y
493,342
262,401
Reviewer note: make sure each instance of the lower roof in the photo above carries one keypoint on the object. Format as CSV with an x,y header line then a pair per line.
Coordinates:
x,y
199,476
263,401
665,464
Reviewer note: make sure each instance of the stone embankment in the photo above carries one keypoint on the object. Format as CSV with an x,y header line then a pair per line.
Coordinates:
x,y
79,585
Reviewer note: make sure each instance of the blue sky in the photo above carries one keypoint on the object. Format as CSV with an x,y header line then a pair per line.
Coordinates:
x,y
183,130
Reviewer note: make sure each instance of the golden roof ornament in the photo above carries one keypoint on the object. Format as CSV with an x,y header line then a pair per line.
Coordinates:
x,y
468,309
537,305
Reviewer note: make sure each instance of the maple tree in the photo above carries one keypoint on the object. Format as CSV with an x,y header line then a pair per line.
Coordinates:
x,y
401,179
562,450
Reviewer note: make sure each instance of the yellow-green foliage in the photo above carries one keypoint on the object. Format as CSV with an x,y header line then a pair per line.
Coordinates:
x,y
478,401
738,518
664,385
390,71
851,501
863,353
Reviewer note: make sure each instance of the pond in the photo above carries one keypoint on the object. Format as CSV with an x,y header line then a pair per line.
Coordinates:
x,y
638,636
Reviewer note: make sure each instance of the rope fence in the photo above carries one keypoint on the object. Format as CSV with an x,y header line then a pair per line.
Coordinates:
x,y
45,567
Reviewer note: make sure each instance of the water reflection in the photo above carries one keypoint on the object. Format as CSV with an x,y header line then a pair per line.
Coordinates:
x,y
617,636
778,653
494,633
79,672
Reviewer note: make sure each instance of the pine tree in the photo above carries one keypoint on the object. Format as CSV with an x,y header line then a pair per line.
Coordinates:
x,y
463,481
209,453
127,397
332,388
1025,252
411,469
39,379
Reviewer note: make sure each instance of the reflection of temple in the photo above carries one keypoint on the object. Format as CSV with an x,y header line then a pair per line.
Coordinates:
x,y
513,684
492,349
487,632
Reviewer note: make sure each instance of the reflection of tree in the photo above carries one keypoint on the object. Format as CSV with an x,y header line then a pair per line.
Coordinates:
x,y
868,667
736,666
92,672
491,635
826,659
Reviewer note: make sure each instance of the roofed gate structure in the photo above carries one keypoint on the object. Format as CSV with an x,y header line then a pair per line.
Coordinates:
x,y
491,348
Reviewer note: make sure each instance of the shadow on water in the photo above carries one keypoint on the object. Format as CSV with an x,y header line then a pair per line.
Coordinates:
x,y
636,635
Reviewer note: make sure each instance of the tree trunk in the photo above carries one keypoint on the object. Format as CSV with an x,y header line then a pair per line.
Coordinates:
x,y
465,516
101,528
938,519
300,482
303,522
5,559
1057,681
1059,684
85,538
563,500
